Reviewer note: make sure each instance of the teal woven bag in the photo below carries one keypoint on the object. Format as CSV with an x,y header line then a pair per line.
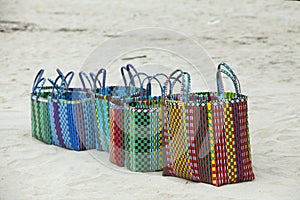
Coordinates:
x,y
103,96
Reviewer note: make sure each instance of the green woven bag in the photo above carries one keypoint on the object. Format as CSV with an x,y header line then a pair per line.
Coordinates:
x,y
40,122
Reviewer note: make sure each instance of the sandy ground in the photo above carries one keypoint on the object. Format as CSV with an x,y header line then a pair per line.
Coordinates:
x,y
260,39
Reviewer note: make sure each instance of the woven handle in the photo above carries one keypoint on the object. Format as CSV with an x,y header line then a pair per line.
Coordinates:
x,y
66,84
83,75
57,87
96,80
230,73
93,77
138,75
128,68
185,85
176,79
148,88
38,84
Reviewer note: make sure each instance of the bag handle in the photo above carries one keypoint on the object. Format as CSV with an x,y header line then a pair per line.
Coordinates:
x,y
185,85
148,88
38,81
229,72
128,68
96,79
93,77
84,75
176,79
139,74
56,86
65,82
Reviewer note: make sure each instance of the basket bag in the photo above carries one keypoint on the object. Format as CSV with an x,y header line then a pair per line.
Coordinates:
x,y
143,130
40,121
117,106
206,134
103,96
72,116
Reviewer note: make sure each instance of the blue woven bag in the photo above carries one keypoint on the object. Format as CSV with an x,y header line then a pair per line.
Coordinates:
x,y
72,116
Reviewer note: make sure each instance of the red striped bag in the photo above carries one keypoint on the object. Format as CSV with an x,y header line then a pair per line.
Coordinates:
x,y
206,134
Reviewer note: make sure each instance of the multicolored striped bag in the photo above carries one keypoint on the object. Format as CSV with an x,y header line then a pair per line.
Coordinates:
x,y
143,130
116,122
72,116
103,96
206,134
40,121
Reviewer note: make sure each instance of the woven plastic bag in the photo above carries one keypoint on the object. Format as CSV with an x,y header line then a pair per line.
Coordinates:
x,y
103,96
72,116
143,130
206,134
40,121
116,122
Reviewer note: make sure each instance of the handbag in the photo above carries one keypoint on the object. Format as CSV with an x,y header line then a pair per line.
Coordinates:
x,y
40,122
206,134
116,123
72,115
143,130
103,96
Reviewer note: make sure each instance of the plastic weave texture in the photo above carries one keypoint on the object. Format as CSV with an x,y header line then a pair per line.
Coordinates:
x,y
206,135
144,135
73,120
40,121
102,105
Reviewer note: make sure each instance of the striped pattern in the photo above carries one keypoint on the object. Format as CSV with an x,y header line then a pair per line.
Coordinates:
x,y
207,140
73,123
40,121
117,153
102,114
102,104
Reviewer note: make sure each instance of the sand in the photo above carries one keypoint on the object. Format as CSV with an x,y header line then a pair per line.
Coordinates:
x,y
259,39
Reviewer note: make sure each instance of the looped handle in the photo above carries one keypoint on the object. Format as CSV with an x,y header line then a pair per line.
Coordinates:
x,y
230,73
229,70
64,82
56,86
150,78
177,79
185,85
37,79
36,89
139,74
96,80
128,68
84,75
93,77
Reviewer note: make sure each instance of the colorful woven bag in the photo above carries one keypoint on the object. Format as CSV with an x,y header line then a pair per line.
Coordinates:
x,y
40,121
206,134
103,96
143,130
72,116
102,112
116,122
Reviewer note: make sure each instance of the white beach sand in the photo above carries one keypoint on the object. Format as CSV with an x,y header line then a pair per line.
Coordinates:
x,y
259,39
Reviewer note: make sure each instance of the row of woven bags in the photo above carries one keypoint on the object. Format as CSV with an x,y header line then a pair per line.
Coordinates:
x,y
199,136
